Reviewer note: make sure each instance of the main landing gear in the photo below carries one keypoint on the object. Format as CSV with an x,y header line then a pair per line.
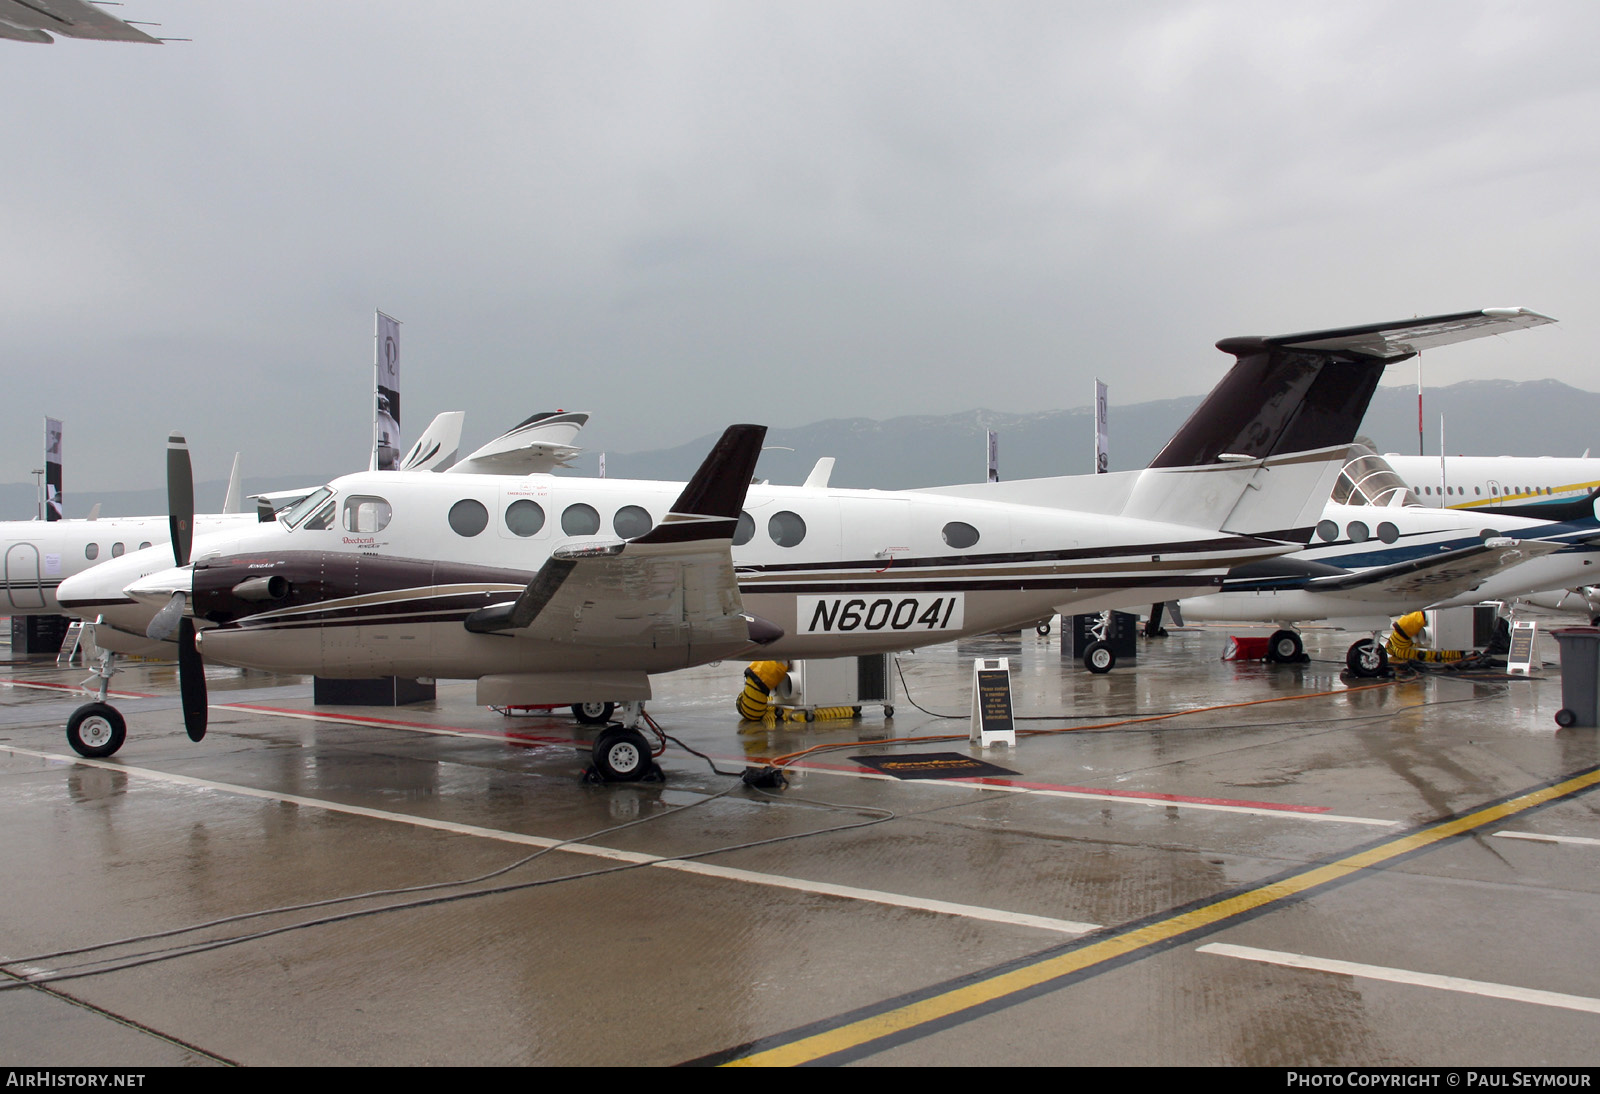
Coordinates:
x,y
1098,656
97,729
593,714
623,754
1285,647
1367,658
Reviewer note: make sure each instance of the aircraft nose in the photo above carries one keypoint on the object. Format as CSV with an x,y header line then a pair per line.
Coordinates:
x,y
90,591
160,587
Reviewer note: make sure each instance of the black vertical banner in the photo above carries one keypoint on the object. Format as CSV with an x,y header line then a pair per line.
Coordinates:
x,y
52,469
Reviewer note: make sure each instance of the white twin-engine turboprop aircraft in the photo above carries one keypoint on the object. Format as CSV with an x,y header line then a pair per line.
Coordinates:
x,y
556,590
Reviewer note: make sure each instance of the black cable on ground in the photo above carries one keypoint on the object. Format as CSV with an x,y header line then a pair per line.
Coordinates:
x,y
104,966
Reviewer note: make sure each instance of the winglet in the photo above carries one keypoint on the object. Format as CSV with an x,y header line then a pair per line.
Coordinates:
x,y
709,506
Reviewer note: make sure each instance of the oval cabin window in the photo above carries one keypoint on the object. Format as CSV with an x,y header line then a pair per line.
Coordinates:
x,y
524,517
960,535
786,529
631,522
580,520
468,517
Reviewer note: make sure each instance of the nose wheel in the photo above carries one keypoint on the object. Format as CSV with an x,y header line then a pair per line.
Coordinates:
x,y
96,730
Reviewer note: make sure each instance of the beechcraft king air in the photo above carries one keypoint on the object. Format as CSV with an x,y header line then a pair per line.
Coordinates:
x,y
548,589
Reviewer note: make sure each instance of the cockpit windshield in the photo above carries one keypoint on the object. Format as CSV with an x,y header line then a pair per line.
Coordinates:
x,y
1369,480
305,507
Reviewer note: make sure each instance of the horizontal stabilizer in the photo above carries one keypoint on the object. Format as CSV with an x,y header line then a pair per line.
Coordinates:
x,y
37,20
1404,337
536,445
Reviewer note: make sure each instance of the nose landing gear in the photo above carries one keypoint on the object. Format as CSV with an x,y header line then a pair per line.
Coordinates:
x,y
97,729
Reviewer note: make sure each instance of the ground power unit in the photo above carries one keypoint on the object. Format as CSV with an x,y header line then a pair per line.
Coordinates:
x,y
831,683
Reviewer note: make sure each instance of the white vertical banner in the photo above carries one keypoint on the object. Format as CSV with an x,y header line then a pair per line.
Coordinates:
x,y
1102,440
386,395
994,456
52,469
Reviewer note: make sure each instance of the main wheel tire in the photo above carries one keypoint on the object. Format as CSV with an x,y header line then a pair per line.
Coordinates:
x,y
1367,658
1566,717
96,730
1284,647
622,755
593,714
1042,630
1099,657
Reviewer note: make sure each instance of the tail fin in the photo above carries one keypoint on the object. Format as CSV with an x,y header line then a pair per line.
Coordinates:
x,y
438,446
1296,392
1261,453
1294,403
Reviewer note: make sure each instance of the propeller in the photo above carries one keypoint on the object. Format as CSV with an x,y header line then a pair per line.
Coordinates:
x,y
180,519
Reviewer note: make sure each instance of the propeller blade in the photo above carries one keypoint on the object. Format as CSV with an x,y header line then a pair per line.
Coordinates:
x,y
180,497
191,681
166,620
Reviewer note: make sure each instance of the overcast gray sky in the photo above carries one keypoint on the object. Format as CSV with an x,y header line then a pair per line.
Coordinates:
x,y
678,215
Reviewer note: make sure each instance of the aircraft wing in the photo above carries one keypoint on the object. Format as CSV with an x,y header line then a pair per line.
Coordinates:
x,y
37,20
1437,577
671,588
539,444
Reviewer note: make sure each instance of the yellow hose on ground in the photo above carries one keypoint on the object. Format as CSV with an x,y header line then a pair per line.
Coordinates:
x,y
755,701
1403,647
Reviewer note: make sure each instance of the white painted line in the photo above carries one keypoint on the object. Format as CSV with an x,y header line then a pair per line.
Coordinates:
x,y
1540,837
850,892
704,869
1405,976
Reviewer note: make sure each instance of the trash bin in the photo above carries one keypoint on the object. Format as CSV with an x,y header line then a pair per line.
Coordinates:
x,y
1580,676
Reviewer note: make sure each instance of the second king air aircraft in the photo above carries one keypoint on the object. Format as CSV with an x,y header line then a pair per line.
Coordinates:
x,y
558,590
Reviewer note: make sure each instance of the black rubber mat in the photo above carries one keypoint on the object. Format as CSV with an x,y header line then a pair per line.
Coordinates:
x,y
932,765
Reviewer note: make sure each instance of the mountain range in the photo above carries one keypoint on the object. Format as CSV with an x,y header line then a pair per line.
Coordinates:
x,y
1482,417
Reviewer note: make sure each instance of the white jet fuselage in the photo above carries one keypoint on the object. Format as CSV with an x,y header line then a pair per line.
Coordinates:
x,y
1359,538
39,555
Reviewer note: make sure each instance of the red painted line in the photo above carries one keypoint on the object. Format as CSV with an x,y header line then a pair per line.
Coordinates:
x,y
1151,795
395,723
74,688
1095,791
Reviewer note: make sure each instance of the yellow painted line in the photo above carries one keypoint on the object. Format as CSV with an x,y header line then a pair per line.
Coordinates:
x,y
904,1018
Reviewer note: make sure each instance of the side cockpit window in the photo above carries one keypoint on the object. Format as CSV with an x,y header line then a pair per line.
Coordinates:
x,y
366,513
312,503
321,519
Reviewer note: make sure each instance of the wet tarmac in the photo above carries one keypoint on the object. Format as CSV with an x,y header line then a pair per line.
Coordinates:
x,y
1406,874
